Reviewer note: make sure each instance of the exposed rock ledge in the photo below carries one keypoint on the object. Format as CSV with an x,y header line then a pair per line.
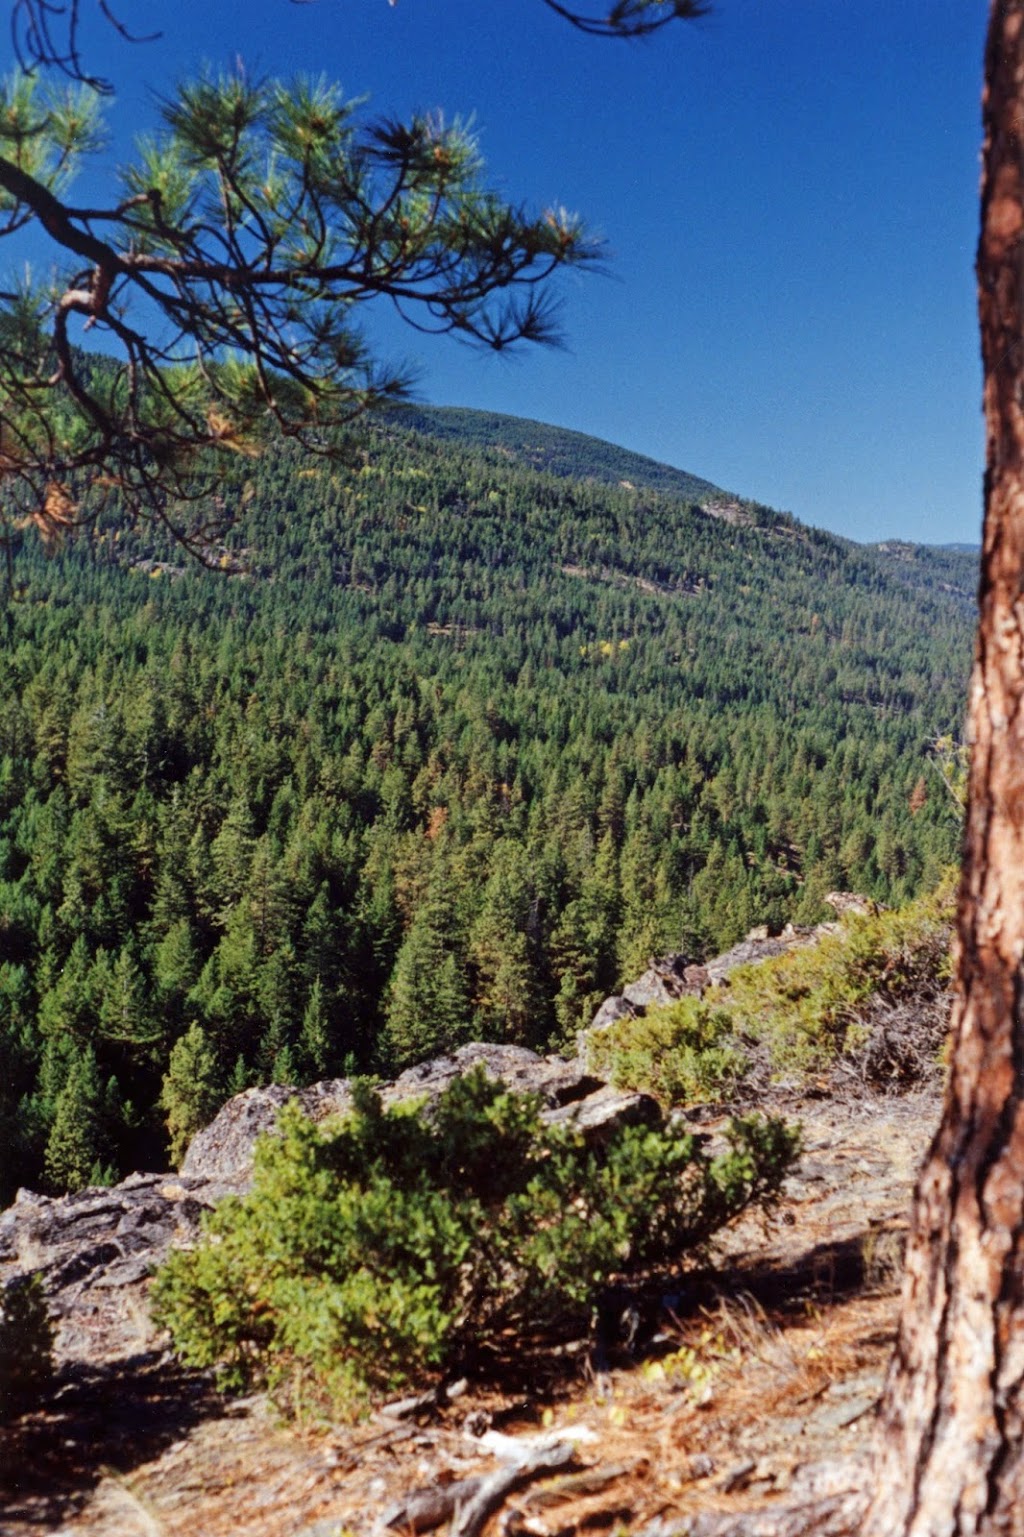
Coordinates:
x,y
675,977
94,1249
223,1150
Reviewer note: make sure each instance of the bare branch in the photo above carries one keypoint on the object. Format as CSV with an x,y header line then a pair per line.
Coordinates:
x,y
45,34
630,19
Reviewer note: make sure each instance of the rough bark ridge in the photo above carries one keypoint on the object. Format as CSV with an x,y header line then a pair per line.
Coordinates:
x,y
952,1435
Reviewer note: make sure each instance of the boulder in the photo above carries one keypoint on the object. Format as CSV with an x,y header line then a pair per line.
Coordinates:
x,y
94,1249
604,1111
663,982
616,1007
223,1150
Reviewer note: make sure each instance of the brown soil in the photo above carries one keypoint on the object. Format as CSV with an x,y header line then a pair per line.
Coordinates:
x,y
770,1363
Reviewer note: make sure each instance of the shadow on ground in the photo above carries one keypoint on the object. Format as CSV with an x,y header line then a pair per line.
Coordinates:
x,y
96,1419
644,1319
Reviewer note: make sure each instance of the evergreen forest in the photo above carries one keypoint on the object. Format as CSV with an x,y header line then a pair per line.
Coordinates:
x,y
468,726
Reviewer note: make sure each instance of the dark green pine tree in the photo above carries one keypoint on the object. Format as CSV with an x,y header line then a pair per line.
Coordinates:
x,y
191,1089
507,996
428,1010
175,966
74,1147
313,1050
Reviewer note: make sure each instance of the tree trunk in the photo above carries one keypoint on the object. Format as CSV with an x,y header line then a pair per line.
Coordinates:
x,y
951,1454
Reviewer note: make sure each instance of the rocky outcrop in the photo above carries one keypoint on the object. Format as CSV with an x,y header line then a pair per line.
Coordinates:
x,y
223,1150
569,1095
663,982
674,976
95,1249
759,945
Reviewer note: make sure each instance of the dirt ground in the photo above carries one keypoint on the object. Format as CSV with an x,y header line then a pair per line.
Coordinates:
x,y
771,1362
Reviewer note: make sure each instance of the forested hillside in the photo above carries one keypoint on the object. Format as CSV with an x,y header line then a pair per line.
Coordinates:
x,y
450,747
539,446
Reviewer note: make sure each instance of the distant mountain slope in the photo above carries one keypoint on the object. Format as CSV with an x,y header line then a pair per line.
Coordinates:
x,y
949,568
449,749
578,456
559,451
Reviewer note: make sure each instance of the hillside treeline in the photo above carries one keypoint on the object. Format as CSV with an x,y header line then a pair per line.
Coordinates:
x,y
455,750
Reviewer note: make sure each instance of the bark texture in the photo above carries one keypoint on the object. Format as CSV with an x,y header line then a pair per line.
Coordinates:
x,y
951,1450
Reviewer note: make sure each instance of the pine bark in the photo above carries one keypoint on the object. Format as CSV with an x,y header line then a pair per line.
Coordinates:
x,y
951,1450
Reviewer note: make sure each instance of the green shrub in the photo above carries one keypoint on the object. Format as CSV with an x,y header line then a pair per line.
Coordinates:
x,y
681,1053
26,1344
811,1005
385,1251
871,994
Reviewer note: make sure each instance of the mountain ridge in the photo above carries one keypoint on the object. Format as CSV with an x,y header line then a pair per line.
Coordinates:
x,y
562,451
558,450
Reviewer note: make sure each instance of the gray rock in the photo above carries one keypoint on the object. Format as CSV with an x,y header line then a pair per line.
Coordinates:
x,y
618,1007
851,902
675,977
223,1150
663,982
94,1251
756,947
556,1080
604,1111
649,989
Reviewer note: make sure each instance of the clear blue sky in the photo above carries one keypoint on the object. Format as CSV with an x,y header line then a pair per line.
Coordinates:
x,y
788,192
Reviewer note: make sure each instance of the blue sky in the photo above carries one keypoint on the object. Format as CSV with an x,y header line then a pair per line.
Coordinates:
x,y
788,192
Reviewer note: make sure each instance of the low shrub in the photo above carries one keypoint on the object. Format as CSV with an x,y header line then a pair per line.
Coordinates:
x,y
681,1053
388,1250
814,1005
869,998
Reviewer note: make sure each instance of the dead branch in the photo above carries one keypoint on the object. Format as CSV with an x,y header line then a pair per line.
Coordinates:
x,y
427,1509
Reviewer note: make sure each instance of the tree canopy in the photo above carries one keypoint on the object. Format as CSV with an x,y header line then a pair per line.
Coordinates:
x,y
222,279
451,748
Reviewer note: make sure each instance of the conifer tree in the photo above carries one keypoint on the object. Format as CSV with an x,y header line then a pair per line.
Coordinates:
x,y
189,1093
506,991
950,1456
428,1009
314,1043
222,277
175,964
122,1007
74,1146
